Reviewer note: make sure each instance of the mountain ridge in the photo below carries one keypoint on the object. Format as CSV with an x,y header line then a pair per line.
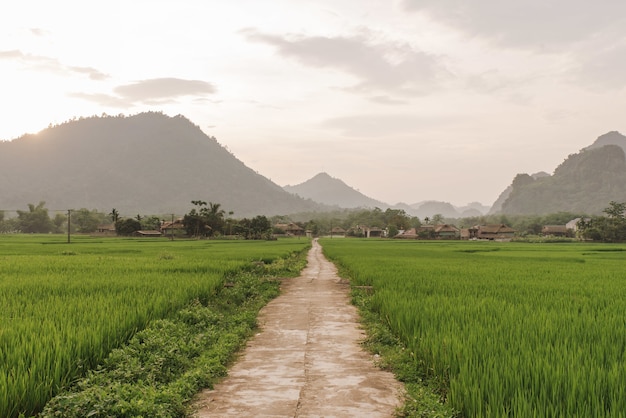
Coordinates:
x,y
584,183
149,163
332,191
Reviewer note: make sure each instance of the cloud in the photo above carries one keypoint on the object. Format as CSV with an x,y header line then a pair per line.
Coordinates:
x,y
105,100
388,67
386,100
38,32
381,125
150,91
535,24
601,68
163,89
39,62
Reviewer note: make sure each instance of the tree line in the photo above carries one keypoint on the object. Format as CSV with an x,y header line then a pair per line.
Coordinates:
x,y
208,219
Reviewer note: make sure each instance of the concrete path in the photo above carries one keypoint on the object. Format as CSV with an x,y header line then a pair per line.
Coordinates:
x,y
306,361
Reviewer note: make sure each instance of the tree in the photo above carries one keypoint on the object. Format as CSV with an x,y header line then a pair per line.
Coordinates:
x,y
115,215
36,220
437,219
616,210
214,218
611,228
150,223
86,221
127,226
258,227
59,222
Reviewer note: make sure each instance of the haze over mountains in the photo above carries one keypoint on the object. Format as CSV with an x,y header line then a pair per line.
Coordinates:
x,y
151,163
584,183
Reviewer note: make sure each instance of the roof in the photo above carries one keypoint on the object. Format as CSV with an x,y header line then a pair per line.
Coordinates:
x,y
446,228
494,229
554,229
409,233
288,227
149,233
173,225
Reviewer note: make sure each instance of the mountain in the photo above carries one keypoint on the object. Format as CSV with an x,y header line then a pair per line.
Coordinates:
x,y
148,163
610,138
430,208
497,205
584,183
328,190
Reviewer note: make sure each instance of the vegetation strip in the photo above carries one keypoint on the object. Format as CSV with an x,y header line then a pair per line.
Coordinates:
x,y
527,330
65,307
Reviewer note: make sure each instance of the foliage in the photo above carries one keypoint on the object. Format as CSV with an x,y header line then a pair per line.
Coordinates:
x,y
127,227
610,228
205,220
66,306
501,329
86,221
36,220
256,228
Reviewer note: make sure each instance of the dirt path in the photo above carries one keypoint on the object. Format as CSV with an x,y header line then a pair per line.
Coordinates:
x,y
306,360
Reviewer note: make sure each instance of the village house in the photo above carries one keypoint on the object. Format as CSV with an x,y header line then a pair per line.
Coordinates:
x,y
106,229
337,231
556,231
442,231
496,232
146,234
175,229
290,229
573,224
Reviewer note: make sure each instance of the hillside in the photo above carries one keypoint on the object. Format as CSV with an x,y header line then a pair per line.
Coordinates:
x,y
328,190
149,163
497,205
447,210
584,183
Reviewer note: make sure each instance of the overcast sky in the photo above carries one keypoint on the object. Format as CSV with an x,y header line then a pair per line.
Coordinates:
x,y
404,100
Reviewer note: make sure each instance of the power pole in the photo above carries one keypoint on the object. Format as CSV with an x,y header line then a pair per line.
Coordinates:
x,y
69,223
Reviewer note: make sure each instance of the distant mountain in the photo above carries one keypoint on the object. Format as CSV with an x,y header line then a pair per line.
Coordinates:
x,y
447,210
610,138
497,205
328,190
149,163
584,183
430,208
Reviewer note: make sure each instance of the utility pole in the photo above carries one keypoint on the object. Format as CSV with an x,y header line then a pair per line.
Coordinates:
x,y
69,223
172,228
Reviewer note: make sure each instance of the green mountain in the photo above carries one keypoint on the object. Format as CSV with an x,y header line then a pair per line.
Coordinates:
x,y
149,163
584,183
328,190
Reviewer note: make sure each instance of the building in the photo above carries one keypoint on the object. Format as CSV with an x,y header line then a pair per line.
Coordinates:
x,y
495,232
442,231
290,229
173,229
556,231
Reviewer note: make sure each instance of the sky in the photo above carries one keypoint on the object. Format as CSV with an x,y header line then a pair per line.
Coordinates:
x,y
404,100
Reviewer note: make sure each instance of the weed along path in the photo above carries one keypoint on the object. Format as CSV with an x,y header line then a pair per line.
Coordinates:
x,y
306,360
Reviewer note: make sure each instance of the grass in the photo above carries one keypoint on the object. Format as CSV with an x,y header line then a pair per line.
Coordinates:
x,y
497,329
65,307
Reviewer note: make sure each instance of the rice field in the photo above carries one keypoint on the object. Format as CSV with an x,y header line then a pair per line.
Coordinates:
x,y
506,329
63,307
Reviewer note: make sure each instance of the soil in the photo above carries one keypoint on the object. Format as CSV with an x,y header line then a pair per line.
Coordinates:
x,y
306,360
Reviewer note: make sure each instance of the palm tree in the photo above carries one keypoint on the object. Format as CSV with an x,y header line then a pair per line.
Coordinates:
x,y
215,217
115,215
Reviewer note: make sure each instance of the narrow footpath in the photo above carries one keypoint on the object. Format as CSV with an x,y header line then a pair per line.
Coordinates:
x,y
306,360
